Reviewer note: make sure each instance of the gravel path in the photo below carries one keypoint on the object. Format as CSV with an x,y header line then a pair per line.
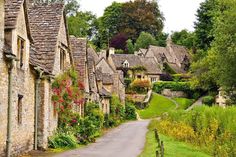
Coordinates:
x,y
127,140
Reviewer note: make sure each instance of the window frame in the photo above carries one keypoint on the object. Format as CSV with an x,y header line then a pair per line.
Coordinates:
x,y
21,50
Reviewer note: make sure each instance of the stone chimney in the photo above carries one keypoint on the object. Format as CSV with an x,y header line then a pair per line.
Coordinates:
x,y
111,51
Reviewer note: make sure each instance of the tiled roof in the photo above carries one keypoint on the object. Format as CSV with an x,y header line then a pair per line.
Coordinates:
x,y
93,54
78,49
45,20
119,59
180,52
151,65
107,78
12,8
104,92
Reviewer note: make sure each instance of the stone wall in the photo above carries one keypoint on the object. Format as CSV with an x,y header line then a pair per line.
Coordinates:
x,y
47,117
23,85
176,94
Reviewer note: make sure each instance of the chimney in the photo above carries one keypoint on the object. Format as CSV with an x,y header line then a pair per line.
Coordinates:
x,y
110,51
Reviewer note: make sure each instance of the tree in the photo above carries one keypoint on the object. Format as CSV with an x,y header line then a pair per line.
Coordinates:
x,y
139,16
224,47
161,39
183,38
204,25
130,46
119,41
144,40
83,24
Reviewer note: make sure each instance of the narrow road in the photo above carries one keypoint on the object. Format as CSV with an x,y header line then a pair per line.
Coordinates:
x,y
125,141
197,103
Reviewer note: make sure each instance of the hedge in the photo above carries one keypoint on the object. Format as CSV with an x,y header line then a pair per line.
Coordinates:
x,y
158,87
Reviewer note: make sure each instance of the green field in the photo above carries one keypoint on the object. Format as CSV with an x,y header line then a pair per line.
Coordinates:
x,y
157,106
172,147
184,103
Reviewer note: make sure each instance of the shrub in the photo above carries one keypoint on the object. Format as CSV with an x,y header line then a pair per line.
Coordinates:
x,y
208,100
62,140
90,127
130,111
141,86
211,128
166,77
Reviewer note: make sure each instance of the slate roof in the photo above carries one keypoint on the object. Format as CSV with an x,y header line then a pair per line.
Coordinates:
x,y
12,9
160,53
78,49
151,65
107,78
104,93
179,52
45,20
93,55
119,59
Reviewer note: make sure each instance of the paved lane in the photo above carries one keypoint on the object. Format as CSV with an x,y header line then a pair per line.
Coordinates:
x,y
125,141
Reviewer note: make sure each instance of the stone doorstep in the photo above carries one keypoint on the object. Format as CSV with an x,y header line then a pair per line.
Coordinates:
x,y
38,153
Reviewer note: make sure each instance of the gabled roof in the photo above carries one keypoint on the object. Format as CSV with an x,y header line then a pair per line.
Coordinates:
x,y
78,49
151,65
45,21
12,9
93,55
119,59
180,52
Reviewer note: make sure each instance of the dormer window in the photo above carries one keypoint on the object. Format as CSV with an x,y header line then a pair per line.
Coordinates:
x,y
20,50
126,64
62,59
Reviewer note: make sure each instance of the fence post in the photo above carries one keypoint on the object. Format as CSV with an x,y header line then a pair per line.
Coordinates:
x,y
157,153
162,149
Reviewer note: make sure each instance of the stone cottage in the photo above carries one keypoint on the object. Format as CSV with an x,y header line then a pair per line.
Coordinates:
x,y
126,62
51,56
17,89
175,56
79,53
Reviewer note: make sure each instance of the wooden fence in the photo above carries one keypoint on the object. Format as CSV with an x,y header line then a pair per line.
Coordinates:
x,y
160,145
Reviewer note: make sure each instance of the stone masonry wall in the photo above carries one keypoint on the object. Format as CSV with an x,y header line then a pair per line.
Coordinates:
x,y
23,84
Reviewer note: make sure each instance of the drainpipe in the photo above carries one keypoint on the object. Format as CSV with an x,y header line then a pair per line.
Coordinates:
x,y
36,107
11,58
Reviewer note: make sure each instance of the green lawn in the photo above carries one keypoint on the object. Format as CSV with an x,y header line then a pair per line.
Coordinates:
x,y
184,103
158,105
172,147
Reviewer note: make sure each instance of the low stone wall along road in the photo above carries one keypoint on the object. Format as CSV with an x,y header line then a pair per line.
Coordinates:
x,y
127,140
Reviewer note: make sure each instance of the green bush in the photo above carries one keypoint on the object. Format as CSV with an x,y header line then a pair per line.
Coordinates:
x,y
62,140
90,127
130,111
158,87
208,100
140,86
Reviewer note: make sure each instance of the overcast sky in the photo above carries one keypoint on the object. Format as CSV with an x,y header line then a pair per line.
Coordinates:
x,y
179,14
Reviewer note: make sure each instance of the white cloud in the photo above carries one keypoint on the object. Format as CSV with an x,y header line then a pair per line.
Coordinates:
x,y
179,14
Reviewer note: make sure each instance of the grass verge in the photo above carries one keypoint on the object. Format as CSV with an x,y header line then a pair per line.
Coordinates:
x,y
158,105
184,103
172,147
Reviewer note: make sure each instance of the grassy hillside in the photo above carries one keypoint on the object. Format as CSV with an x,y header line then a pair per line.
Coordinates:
x,y
184,103
158,105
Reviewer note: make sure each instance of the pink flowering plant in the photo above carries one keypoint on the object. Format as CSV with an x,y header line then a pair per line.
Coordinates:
x,y
68,94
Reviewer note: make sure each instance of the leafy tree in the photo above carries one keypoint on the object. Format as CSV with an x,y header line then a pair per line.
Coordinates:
x,y
183,38
144,40
204,25
83,24
161,39
223,49
130,46
119,41
139,16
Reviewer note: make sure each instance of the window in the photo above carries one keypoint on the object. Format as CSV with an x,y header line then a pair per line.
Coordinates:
x,y
20,50
19,109
126,64
153,79
62,59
